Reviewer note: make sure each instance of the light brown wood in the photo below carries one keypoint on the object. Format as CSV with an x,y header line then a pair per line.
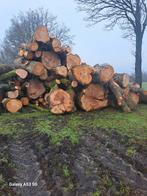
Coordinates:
x,y
61,71
25,101
74,83
13,94
60,102
93,97
72,60
35,89
36,68
50,60
12,105
122,79
56,45
22,73
104,72
82,73
44,75
132,100
41,34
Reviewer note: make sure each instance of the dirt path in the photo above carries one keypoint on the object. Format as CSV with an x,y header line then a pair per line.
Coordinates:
x,y
27,168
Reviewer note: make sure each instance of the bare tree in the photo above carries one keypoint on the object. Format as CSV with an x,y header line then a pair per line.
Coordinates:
x,y
22,28
130,15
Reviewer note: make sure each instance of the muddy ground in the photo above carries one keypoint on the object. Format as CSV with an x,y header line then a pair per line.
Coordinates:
x,y
99,164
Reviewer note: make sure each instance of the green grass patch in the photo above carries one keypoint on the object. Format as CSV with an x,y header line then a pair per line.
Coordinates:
x,y
72,126
144,85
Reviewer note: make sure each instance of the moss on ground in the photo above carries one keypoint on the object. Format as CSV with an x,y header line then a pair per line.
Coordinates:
x,y
71,126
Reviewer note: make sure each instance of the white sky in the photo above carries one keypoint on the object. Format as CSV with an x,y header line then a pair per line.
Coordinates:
x,y
93,44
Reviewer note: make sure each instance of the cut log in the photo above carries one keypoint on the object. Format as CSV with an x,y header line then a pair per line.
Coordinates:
x,y
74,83
60,101
143,97
72,60
61,71
29,55
122,79
41,34
32,46
82,73
117,91
104,72
12,105
50,60
35,89
13,94
132,100
92,97
44,75
56,45
36,68
119,95
21,73
25,101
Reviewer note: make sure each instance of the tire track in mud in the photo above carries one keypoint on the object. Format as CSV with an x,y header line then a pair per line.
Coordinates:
x,y
137,160
118,166
27,167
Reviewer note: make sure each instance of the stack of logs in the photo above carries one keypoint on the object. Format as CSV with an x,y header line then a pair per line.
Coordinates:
x,y
50,76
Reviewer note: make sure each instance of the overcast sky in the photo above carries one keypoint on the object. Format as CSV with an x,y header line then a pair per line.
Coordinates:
x,y
93,44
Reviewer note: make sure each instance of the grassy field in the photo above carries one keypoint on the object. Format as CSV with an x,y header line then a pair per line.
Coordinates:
x,y
132,125
144,85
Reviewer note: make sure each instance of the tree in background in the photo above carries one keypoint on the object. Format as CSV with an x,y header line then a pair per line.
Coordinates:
x,y
22,28
130,15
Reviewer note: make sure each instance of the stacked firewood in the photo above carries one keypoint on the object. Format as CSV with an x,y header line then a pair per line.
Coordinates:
x,y
50,76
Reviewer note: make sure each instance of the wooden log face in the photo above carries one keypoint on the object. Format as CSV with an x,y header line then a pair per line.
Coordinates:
x,y
105,72
92,98
72,60
56,45
83,74
21,73
13,105
122,79
50,60
61,71
35,89
35,68
41,34
60,101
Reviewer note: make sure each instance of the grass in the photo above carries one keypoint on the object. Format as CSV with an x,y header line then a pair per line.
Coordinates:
x,y
144,85
72,126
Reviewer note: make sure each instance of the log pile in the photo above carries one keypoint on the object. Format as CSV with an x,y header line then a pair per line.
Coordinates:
x,y
51,76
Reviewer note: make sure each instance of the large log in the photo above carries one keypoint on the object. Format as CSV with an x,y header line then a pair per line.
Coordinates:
x,y
93,97
122,79
50,60
72,60
41,34
132,100
35,89
82,73
104,73
36,68
12,105
119,96
60,101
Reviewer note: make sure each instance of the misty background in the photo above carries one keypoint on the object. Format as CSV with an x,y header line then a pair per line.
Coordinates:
x,y
92,43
